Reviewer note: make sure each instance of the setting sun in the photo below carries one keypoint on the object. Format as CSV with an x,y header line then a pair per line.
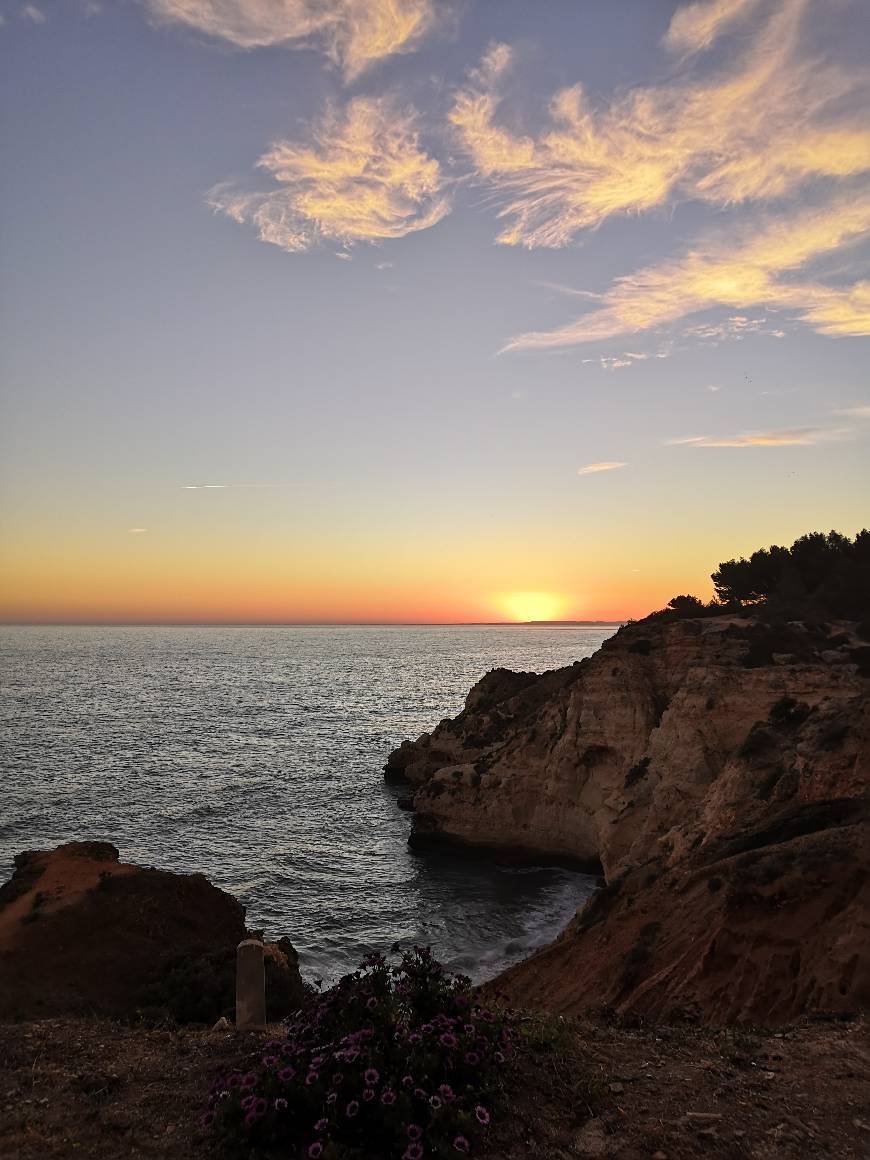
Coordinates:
x,y
522,606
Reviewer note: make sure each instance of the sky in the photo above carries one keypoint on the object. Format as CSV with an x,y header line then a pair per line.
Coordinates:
x,y
410,310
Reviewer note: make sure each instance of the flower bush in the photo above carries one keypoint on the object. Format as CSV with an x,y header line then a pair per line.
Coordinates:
x,y
393,1061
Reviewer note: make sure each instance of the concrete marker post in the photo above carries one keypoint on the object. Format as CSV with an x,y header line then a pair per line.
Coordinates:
x,y
250,986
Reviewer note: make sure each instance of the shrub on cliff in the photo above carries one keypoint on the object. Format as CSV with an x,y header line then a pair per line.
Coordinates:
x,y
393,1061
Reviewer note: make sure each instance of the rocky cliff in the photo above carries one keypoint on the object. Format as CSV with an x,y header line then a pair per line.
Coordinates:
x,y
716,769
83,932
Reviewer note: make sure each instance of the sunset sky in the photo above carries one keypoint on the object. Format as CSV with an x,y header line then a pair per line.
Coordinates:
x,y
409,310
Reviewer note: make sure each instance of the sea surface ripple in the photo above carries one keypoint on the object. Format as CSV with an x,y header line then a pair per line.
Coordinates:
x,y
254,756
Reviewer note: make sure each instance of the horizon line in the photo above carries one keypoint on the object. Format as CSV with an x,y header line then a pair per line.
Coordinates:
x,y
310,623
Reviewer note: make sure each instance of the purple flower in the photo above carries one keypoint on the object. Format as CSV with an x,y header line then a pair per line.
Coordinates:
x,y
461,1144
315,1150
280,1104
248,1102
235,1079
332,1097
260,1106
414,1131
472,1058
482,1115
352,1109
249,1080
413,1152
251,1118
469,1028
368,1094
415,1037
286,1074
321,1125
407,1081
372,1076
372,1003
318,1060
498,1057
311,1078
337,1078
388,1096
270,1060
419,1093
447,1092
207,1120
448,1039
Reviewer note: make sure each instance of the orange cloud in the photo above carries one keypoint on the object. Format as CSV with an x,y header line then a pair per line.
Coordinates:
x,y
606,465
694,27
759,129
793,437
353,33
363,178
734,272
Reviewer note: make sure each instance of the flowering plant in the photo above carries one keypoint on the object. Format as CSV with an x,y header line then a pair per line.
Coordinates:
x,y
393,1061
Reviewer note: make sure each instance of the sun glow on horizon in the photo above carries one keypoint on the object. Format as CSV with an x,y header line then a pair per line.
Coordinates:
x,y
523,606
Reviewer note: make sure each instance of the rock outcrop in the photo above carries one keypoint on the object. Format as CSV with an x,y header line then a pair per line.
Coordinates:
x,y
83,932
717,769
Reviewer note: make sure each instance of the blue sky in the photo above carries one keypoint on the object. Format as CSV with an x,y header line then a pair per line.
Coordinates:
x,y
488,297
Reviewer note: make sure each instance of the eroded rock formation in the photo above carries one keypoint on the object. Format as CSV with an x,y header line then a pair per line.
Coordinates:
x,y
81,931
717,769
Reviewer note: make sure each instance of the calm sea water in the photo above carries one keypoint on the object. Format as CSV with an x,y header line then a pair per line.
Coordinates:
x,y
255,755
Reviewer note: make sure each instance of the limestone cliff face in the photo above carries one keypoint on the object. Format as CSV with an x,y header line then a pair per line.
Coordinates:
x,y
667,737
718,769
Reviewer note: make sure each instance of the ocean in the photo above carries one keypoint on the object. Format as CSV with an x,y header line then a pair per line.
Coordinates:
x,y
254,755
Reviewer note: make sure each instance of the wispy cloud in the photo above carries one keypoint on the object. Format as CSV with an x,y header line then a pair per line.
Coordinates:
x,y
773,120
755,268
363,177
855,412
34,14
732,329
225,486
694,27
353,33
787,437
605,465
136,531
629,357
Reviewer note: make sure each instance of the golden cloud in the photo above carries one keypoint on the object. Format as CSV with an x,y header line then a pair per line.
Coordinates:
x,y
694,27
734,272
758,129
363,178
353,33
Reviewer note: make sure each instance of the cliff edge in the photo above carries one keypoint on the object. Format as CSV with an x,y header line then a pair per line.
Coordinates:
x,y
716,769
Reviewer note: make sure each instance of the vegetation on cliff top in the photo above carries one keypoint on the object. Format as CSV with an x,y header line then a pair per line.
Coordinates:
x,y
827,573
